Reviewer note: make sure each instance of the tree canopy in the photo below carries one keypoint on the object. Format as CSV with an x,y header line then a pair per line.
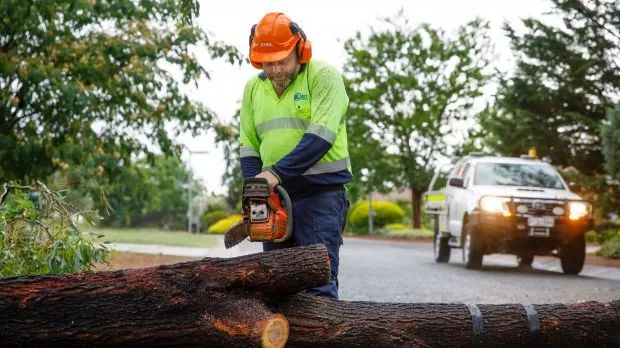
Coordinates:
x,y
610,134
567,76
408,86
93,83
151,193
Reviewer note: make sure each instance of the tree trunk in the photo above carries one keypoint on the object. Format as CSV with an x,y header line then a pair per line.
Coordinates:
x,y
320,322
416,198
243,301
211,302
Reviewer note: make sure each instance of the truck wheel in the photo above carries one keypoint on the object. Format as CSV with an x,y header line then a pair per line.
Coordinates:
x,y
525,259
441,248
472,250
573,254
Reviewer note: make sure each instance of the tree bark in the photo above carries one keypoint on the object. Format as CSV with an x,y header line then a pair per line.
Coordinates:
x,y
416,197
211,302
320,322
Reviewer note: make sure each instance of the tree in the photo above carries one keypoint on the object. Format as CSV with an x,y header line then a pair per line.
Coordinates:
x,y
150,193
92,83
211,302
610,135
251,301
407,88
227,135
566,77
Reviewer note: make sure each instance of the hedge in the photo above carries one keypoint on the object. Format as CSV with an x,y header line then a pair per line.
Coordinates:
x,y
605,235
610,248
387,213
212,217
223,225
396,227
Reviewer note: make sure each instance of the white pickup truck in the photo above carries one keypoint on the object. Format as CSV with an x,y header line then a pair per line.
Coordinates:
x,y
519,206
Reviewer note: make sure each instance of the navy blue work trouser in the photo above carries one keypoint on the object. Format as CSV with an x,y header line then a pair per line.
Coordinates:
x,y
319,218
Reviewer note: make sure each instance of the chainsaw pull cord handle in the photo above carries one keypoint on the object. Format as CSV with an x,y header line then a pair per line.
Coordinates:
x,y
289,212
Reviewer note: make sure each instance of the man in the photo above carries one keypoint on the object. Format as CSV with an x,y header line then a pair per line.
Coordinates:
x,y
293,134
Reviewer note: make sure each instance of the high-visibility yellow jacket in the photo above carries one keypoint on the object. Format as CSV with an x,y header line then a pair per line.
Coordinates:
x,y
301,136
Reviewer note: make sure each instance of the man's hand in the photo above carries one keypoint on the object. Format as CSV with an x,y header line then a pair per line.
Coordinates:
x,y
272,180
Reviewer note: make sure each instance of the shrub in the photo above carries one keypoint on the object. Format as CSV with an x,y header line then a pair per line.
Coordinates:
x,y
610,248
221,226
353,207
608,235
396,227
39,235
211,217
387,212
159,220
591,237
350,227
601,236
406,206
427,220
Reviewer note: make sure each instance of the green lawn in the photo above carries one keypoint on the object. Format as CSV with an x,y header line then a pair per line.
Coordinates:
x,y
411,233
154,236
404,233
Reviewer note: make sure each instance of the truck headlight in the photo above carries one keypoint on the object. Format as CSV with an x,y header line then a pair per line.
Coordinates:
x,y
578,210
497,205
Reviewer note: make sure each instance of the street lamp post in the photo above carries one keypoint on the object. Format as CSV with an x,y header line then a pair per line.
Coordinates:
x,y
190,210
371,212
371,215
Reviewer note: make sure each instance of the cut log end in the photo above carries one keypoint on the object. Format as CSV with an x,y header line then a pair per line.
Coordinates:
x,y
275,332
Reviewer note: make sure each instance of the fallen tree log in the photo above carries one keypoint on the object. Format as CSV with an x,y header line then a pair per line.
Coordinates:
x,y
321,322
246,301
211,302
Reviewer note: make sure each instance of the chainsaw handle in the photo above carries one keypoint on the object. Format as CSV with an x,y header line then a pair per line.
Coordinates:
x,y
286,200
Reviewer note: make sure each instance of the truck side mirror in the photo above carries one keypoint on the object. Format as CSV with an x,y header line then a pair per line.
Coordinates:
x,y
456,182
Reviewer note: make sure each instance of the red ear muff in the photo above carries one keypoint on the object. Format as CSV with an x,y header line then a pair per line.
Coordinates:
x,y
304,51
304,47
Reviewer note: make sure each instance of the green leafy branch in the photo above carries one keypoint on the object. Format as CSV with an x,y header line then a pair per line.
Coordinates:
x,y
39,233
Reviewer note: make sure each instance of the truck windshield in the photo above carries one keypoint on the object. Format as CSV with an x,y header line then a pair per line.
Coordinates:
x,y
511,174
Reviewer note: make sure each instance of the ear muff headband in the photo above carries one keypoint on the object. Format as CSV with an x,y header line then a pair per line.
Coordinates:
x,y
252,31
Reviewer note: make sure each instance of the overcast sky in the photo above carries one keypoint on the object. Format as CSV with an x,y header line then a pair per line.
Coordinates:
x,y
327,24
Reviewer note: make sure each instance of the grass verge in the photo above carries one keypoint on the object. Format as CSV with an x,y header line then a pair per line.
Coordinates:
x,y
410,233
414,234
124,260
154,236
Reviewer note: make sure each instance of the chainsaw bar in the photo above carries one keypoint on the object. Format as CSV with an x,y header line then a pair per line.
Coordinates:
x,y
236,234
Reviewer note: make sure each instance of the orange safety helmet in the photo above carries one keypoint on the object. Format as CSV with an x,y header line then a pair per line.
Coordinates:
x,y
273,39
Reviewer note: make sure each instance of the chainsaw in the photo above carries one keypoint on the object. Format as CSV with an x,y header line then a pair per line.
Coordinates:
x,y
266,217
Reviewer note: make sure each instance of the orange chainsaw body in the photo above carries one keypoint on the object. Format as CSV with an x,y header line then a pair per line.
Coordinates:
x,y
267,214
274,227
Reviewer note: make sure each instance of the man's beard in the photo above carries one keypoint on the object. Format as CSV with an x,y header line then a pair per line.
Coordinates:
x,y
283,83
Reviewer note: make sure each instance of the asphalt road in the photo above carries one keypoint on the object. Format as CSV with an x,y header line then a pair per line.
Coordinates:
x,y
387,271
